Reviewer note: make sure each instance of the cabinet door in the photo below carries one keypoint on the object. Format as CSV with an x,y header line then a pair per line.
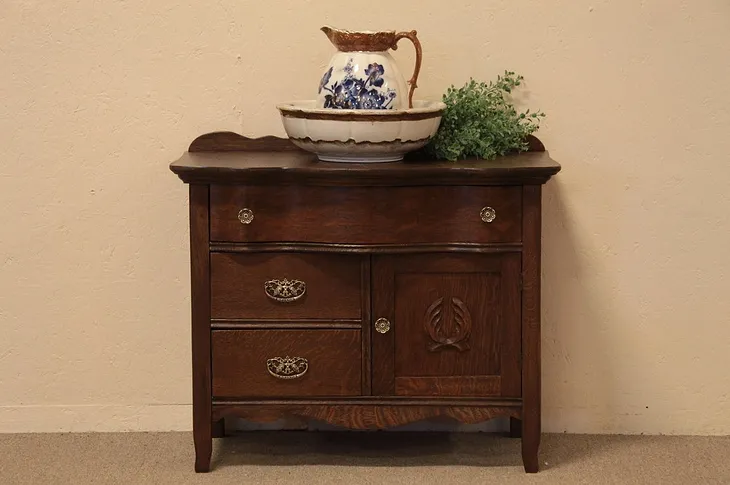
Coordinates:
x,y
447,325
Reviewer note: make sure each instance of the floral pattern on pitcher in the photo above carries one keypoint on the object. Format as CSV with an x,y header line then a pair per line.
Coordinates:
x,y
352,92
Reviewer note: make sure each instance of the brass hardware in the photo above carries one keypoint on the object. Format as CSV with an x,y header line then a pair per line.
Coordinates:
x,y
245,216
488,214
287,367
382,325
285,290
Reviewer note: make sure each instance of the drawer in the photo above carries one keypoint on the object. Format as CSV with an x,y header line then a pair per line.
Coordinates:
x,y
285,286
366,215
286,363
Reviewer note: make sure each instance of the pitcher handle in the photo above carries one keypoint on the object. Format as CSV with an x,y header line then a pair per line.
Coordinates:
x,y
419,53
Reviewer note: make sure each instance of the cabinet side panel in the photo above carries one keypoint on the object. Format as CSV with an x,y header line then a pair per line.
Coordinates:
x,y
531,393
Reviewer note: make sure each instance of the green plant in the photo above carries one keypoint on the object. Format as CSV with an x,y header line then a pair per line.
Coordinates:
x,y
480,121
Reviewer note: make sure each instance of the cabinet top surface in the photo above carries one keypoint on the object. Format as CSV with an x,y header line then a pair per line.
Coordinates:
x,y
228,158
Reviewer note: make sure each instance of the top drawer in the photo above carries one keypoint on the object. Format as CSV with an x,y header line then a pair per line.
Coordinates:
x,y
366,215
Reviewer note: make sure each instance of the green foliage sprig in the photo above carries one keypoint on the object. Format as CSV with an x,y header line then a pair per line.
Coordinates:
x,y
480,121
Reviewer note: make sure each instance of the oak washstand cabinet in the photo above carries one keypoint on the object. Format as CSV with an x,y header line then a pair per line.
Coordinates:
x,y
363,295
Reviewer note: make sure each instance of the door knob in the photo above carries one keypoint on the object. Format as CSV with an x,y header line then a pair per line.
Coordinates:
x,y
382,325
488,214
245,215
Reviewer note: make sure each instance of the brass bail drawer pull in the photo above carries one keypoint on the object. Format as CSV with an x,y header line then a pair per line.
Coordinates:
x,y
287,367
285,290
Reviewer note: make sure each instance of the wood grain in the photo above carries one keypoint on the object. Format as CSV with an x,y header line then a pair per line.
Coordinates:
x,y
531,361
333,286
239,362
448,386
348,248
302,168
511,323
487,287
372,215
394,401
226,141
367,328
371,241
383,344
363,416
416,291
230,324
200,311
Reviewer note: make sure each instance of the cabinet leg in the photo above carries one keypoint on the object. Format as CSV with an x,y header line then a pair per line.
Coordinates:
x,y
219,428
200,326
203,438
530,445
515,428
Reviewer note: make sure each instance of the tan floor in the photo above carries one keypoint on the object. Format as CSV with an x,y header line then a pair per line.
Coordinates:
x,y
360,458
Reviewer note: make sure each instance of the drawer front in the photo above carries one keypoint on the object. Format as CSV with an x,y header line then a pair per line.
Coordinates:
x,y
285,286
366,215
286,363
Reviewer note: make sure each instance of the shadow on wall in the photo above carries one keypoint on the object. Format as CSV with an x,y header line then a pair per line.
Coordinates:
x,y
578,385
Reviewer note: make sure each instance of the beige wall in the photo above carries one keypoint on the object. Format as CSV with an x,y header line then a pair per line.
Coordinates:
x,y
96,98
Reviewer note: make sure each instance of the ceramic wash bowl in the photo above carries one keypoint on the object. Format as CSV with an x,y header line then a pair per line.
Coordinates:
x,y
360,135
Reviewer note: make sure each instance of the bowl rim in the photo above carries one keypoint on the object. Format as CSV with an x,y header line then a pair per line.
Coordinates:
x,y
294,109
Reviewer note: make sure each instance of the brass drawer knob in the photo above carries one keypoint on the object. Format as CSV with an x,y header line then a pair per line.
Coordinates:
x,y
382,325
285,291
488,214
245,215
287,367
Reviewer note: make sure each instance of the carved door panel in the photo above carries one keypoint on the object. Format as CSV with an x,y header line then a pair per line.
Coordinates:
x,y
447,325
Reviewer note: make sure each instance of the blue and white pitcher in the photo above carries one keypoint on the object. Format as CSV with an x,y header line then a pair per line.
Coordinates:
x,y
363,74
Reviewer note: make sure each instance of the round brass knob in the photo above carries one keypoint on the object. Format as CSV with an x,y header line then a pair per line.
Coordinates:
x,y
245,216
382,325
488,214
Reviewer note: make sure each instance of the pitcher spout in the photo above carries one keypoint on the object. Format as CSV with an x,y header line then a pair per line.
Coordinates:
x,y
329,32
348,41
